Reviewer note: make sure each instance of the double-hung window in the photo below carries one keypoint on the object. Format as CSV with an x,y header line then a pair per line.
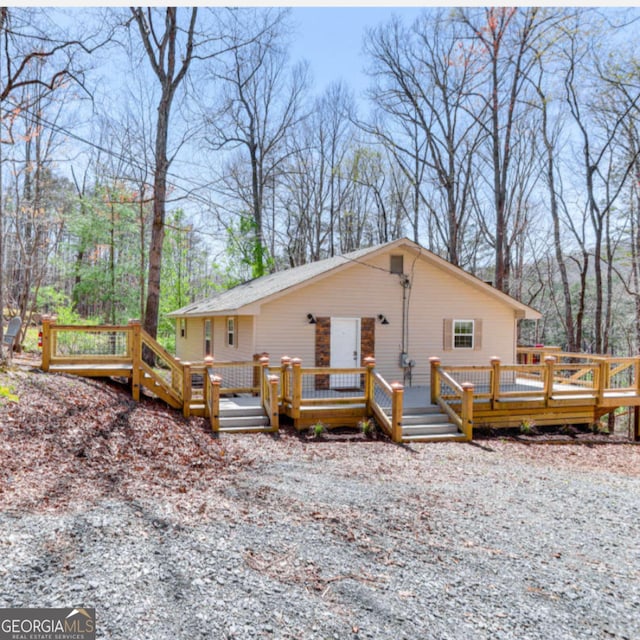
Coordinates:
x,y
463,334
231,332
208,343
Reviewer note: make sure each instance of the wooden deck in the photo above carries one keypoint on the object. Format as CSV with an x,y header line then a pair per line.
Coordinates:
x,y
544,388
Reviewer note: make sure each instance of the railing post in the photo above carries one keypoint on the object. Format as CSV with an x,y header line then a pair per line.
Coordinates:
x,y
370,364
296,395
549,362
467,409
186,389
285,363
264,366
604,379
257,371
46,342
435,379
53,338
208,362
214,418
274,413
396,411
495,381
135,353
636,373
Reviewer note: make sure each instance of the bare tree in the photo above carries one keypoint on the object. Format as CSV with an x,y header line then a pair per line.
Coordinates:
x,y
600,124
32,56
506,42
260,103
423,79
170,50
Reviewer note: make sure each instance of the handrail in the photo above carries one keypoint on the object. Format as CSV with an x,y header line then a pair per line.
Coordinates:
x,y
441,401
464,393
269,396
383,419
252,387
212,397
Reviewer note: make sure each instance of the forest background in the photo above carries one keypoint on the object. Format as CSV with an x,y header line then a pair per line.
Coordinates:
x,y
152,156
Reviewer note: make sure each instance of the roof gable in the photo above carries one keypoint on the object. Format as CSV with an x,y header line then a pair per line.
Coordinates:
x,y
246,297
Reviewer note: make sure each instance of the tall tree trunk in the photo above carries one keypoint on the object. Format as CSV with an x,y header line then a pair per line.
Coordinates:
x,y
162,52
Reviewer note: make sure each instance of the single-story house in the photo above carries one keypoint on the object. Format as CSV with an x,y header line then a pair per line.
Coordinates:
x,y
396,301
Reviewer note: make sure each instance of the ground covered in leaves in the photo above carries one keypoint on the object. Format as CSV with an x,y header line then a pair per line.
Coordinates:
x,y
172,533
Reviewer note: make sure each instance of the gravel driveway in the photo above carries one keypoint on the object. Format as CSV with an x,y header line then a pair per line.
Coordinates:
x,y
171,534
364,540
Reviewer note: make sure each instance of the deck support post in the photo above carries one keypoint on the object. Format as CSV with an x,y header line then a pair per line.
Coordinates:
x,y
549,362
296,395
274,413
467,410
214,390
434,363
186,389
370,364
46,342
396,411
495,381
135,353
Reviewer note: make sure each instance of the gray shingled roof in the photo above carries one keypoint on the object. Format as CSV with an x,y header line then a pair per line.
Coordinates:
x,y
253,291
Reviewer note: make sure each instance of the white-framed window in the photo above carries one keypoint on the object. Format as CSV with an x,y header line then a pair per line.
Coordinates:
x,y
208,343
463,334
231,332
183,328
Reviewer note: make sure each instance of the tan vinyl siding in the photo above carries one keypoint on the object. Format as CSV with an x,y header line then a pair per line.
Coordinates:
x,y
363,291
243,349
282,327
191,349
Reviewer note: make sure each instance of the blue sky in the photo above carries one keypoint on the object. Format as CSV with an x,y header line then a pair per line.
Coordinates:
x,y
330,38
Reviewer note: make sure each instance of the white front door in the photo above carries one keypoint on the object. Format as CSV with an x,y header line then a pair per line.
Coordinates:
x,y
345,351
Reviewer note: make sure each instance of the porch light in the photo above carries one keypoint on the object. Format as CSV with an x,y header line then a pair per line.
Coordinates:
x,y
311,318
383,319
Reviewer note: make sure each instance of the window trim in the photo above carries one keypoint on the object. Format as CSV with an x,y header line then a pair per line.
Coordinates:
x,y
455,333
182,328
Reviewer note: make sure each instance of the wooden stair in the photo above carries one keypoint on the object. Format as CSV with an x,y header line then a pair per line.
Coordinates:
x,y
239,418
159,387
428,424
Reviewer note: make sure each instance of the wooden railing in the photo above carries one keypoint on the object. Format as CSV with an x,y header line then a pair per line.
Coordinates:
x,y
71,345
600,379
457,400
238,377
386,401
315,387
269,393
212,399
535,355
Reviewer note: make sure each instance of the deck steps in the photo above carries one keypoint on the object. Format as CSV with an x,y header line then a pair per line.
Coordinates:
x,y
239,418
424,424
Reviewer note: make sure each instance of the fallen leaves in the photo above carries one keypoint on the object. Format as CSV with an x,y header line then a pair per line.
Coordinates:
x,y
69,441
